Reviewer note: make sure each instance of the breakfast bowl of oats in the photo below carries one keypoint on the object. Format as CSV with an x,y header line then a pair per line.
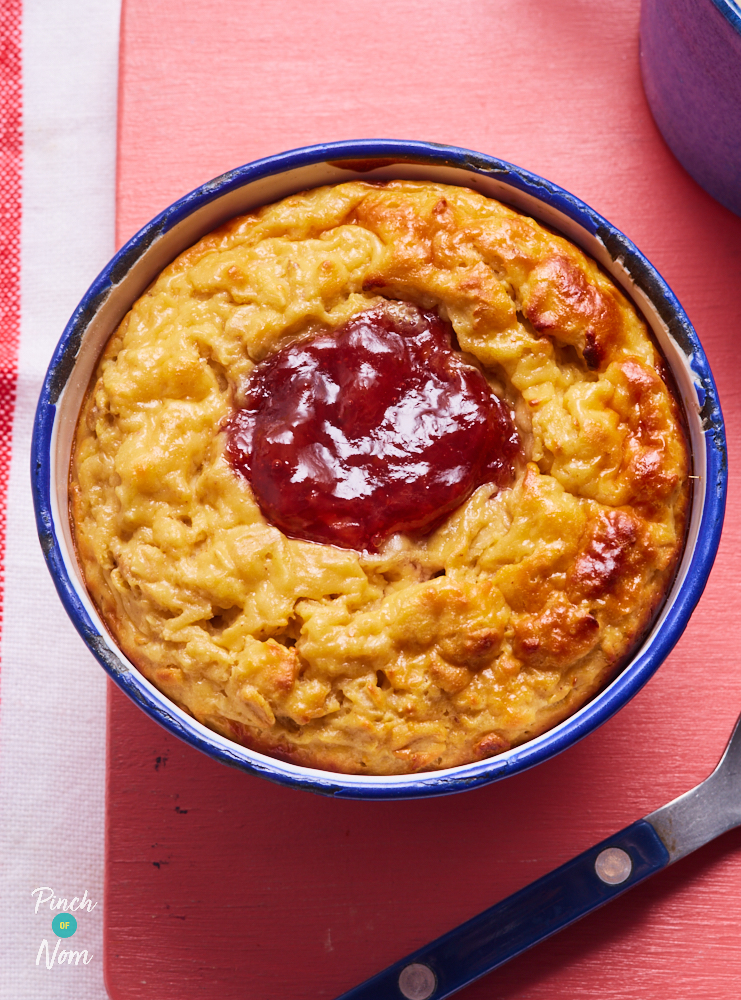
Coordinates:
x,y
379,468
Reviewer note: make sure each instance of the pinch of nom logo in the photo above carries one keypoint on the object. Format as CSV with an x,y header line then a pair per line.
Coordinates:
x,y
63,925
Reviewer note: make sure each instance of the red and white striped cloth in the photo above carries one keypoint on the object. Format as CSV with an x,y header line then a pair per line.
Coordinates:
x,y
58,84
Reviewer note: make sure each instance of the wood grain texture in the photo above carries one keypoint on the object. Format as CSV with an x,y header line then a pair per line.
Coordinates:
x,y
221,885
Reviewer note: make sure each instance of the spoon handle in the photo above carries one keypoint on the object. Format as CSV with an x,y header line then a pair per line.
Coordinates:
x,y
517,923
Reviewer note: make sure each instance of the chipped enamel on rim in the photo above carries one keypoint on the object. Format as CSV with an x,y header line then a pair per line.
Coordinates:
x,y
265,181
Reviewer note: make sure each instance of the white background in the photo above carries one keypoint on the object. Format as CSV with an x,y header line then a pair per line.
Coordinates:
x,y
52,693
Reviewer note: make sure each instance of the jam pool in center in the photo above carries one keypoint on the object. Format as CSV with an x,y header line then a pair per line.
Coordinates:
x,y
378,427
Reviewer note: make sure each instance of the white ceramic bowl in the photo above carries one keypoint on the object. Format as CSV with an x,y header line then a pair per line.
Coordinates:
x,y
179,227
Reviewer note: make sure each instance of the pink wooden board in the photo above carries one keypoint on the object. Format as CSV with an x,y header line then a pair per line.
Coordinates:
x,y
220,885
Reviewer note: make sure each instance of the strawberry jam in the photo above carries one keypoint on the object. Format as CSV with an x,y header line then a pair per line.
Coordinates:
x,y
377,427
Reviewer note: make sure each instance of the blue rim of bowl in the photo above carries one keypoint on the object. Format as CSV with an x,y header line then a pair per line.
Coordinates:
x,y
731,11
430,783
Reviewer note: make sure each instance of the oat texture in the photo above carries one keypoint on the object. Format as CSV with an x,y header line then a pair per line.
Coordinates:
x,y
437,650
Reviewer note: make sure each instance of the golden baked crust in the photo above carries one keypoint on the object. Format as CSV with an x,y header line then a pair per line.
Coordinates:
x,y
437,650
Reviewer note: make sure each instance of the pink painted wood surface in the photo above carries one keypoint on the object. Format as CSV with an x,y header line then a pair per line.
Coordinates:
x,y
220,885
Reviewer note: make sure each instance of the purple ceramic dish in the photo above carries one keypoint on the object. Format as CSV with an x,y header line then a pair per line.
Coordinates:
x,y
137,264
691,67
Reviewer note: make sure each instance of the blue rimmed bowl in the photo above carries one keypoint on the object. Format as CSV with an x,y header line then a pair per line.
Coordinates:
x,y
137,264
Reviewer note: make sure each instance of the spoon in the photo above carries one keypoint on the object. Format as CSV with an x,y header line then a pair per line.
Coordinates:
x,y
568,893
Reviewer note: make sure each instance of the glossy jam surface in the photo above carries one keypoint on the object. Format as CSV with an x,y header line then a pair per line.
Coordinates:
x,y
374,428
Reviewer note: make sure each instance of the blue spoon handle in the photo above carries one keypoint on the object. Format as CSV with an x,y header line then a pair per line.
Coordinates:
x,y
522,920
